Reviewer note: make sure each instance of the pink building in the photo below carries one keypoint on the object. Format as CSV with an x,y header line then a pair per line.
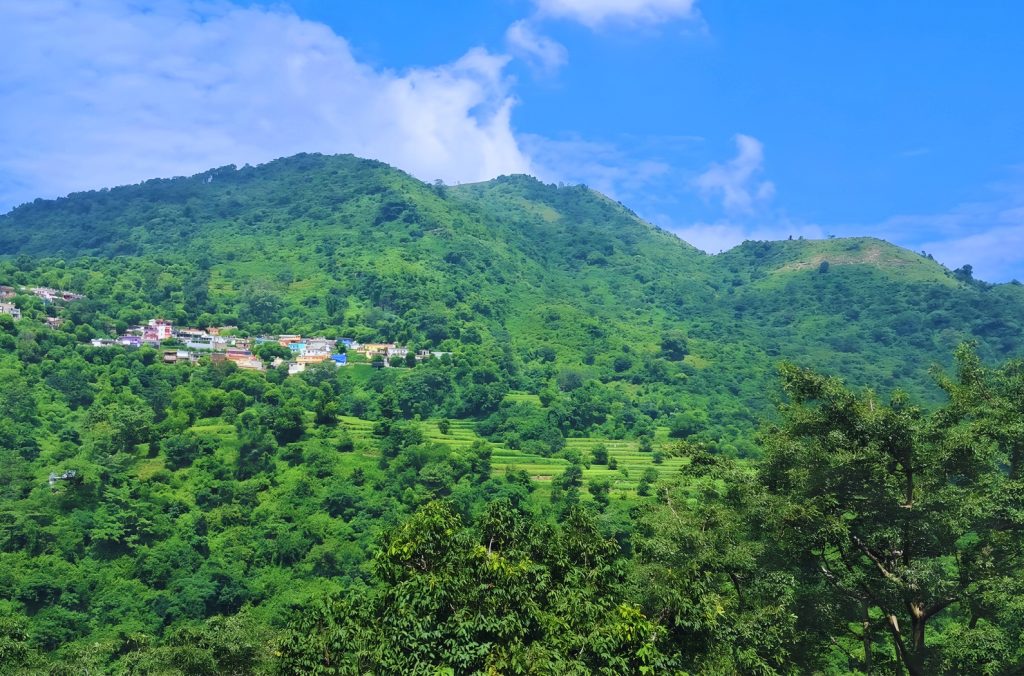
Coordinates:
x,y
158,330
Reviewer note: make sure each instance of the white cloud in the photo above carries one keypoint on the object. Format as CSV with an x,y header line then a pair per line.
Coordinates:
x,y
114,91
988,234
593,13
605,167
735,180
542,51
996,254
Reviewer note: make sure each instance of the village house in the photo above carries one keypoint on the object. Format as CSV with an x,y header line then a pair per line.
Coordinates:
x,y
50,295
373,349
10,309
312,358
319,346
6,292
54,322
188,333
178,356
157,331
205,344
221,343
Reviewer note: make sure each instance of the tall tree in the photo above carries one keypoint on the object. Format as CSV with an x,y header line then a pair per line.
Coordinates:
x,y
904,517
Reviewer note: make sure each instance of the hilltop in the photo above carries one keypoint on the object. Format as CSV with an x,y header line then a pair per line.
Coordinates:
x,y
792,256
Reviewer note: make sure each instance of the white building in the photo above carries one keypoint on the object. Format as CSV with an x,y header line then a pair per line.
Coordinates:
x,y
10,309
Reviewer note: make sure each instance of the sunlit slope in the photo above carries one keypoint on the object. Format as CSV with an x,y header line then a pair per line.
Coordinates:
x,y
557,277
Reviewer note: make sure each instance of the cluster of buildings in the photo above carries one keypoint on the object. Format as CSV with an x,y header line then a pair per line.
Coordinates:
x,y
7,306
219,344
387,351
51,295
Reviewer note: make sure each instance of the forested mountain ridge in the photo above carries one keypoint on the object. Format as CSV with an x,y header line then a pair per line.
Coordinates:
x,y
313,243
589,475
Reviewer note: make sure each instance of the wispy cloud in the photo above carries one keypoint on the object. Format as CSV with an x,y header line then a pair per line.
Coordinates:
x,y
736,182
913,152
539,50
115,91
633,169
594,13
988,234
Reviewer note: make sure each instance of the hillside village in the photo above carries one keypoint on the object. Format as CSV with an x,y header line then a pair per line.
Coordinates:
x,y
220,344
186,345
48,295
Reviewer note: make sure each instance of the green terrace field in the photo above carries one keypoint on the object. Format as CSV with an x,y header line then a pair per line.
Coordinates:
x,y
624,479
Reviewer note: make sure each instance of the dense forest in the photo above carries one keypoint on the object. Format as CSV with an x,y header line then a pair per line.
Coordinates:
x,y
625,456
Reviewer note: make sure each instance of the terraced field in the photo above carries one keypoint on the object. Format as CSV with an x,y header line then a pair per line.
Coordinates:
x,y
631,462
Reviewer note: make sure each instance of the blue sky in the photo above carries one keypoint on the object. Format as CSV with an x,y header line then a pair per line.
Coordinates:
x,y
719,120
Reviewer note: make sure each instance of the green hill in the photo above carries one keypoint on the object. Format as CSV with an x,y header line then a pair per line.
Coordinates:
x,y
554,492
559,278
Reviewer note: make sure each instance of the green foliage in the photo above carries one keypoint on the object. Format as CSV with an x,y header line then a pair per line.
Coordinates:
x,y
875,494
438,515
508,594
181,450
674,346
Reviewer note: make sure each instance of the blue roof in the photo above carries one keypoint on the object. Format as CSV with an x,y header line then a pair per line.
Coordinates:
x,y
340,358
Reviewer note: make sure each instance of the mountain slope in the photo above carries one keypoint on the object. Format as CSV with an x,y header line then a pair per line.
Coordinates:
x,y
556,279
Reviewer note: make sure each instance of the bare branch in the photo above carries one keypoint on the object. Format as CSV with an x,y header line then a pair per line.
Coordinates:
x,y
889,575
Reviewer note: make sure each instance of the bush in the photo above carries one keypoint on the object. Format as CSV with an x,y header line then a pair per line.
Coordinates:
x,y
181,450
345,443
